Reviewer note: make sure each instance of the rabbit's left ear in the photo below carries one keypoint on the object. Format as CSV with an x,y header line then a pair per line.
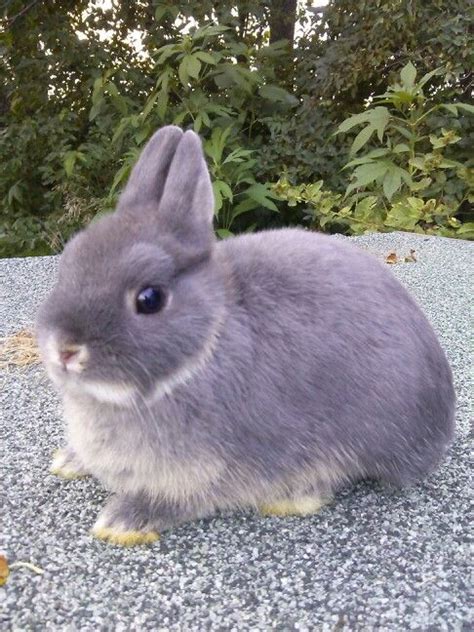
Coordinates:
x,y
186,208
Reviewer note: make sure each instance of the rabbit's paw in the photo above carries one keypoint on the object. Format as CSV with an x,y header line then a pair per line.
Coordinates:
x,y
302,506
124,521
67,464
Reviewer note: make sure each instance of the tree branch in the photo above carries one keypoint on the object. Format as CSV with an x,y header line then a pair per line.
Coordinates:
x,y
10,21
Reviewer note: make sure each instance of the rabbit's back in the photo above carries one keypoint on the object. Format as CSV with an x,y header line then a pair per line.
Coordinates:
x,y
340,357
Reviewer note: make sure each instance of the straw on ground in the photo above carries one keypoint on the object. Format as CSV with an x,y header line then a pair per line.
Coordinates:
x,y
19,350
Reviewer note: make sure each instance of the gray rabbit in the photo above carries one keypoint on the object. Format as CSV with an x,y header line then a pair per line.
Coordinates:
x,y
263,371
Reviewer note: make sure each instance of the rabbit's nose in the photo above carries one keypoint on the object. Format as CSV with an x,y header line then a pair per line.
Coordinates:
x,y
67,354
72,357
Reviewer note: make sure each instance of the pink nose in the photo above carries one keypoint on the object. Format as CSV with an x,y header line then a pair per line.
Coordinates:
x,y
67,354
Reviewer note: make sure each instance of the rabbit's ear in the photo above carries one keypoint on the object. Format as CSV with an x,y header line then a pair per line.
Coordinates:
x,y
146,182
170,186
186,208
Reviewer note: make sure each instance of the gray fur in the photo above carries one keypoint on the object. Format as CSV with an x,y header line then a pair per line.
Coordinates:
x,y
308,364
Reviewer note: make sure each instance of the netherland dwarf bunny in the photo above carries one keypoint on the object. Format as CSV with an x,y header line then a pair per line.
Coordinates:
x,y
263,371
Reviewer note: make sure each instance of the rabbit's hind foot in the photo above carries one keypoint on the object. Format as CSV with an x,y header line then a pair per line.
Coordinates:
x,y
66,464
302,506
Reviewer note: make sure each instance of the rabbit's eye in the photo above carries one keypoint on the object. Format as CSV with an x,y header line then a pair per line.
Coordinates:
x,y
149,300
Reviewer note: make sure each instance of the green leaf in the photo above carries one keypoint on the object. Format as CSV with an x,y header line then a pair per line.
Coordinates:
x,y
214,147
277,95
380,117
451,108
421,184
238,155
449,164
120,176
166,52
400,148
162,103
112,89
428,76
392,182
217,198
378,153
142,134
244,207
466,230
69,162
149,104
361,139
122,126
209,30
408,75
207,58
366,174
404,215
375,153
357,161
251,228
183,71
406,177
179,118
404,132
193,66
197,123
364,208
97,90
95,110
160,11
15,193
163,79
223,233
466,106
120,103
224,189
352,121
418,162
261,194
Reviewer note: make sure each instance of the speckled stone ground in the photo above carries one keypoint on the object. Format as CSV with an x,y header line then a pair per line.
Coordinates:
x,y
373,560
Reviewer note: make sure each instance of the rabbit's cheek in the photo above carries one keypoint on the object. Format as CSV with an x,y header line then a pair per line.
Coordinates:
x,y
194,365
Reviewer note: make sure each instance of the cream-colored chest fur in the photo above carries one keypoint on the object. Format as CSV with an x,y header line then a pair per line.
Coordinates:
x,y
126,459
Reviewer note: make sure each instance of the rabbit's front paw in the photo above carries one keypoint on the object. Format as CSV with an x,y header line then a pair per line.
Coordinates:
x,y
125,521
67,464
302,506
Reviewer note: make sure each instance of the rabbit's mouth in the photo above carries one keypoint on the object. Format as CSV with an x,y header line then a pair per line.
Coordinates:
x,y
66,366
104,391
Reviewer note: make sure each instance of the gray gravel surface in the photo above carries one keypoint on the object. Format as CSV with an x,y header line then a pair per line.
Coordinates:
x,y
374,559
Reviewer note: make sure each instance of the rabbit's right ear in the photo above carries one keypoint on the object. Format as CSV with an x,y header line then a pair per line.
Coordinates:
x,y
146,183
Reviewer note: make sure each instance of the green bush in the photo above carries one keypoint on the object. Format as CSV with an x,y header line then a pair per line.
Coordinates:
x,y
409,179
76,107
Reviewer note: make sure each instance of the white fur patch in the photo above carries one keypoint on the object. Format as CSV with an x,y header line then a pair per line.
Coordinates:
x,y
187,371
126,460
109,392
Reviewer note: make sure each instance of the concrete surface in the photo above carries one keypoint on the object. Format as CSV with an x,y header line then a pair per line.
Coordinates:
x,y
372,560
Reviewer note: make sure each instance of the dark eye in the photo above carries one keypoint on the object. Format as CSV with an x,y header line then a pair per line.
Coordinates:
x,y
149,300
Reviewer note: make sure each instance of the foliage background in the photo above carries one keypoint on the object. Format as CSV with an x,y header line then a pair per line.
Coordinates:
x,y
83,84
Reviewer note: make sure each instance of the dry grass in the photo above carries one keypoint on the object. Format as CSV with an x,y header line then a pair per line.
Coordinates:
x,y
19,350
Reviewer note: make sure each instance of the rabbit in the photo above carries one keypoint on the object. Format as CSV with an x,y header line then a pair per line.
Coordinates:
x,y
265,371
